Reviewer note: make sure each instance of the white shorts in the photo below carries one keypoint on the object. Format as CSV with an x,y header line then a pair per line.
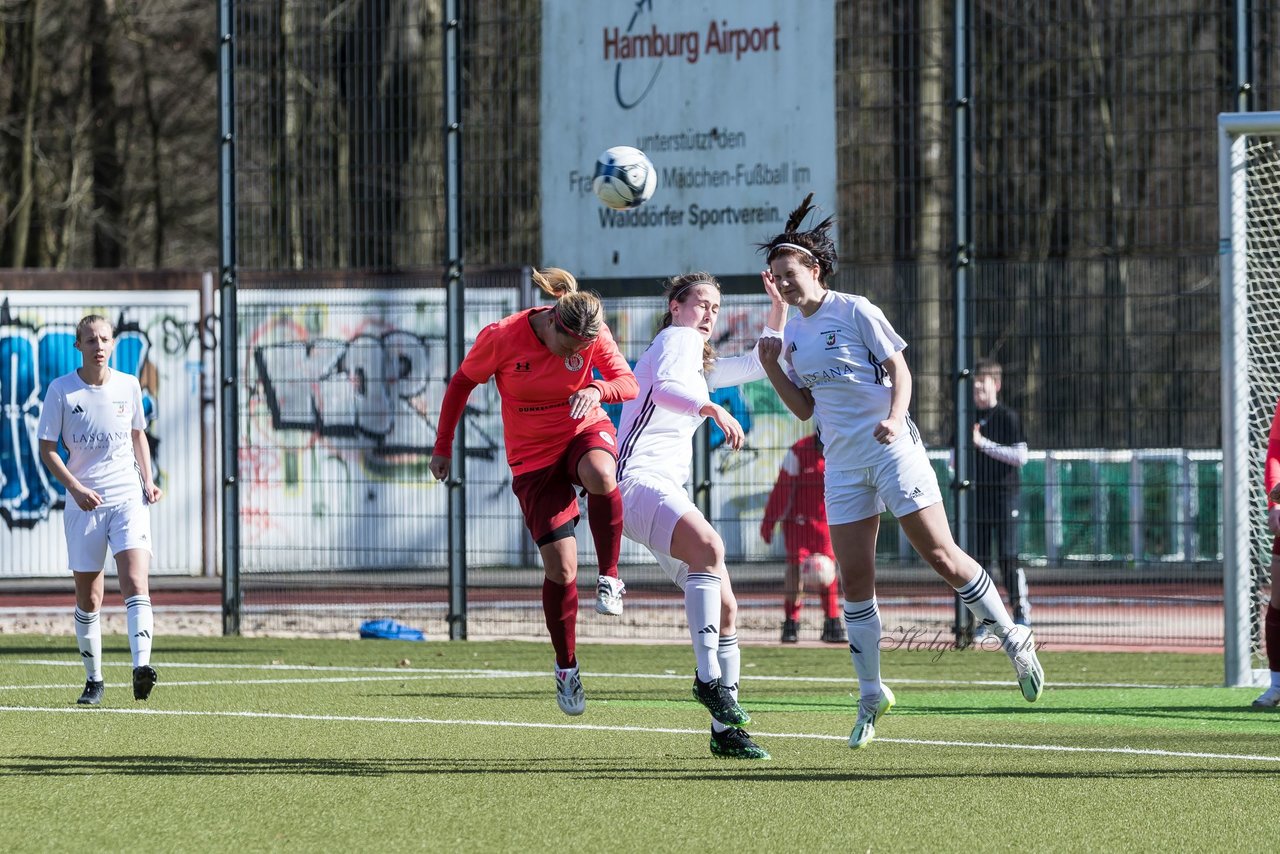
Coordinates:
x,y
90,532
904,484
650,511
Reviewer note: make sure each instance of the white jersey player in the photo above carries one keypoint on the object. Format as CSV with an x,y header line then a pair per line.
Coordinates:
x,y
842,363
675,375
96,413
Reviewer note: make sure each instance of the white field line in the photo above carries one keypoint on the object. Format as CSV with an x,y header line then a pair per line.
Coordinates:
x,y
538,674
1051,748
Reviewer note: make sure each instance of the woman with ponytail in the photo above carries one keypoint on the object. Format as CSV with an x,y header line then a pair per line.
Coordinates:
x,y
675,375
844,367
558,439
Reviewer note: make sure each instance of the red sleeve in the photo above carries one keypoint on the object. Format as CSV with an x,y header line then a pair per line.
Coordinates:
x,y
451,409
779,502
481,361
1273,456
616,383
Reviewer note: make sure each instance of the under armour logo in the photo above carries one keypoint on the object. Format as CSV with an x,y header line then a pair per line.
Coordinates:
x,y
78,410
522,367
708,630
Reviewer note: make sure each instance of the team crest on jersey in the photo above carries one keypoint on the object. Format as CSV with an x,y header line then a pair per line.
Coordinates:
x,y
574,362
831,340
607,438
120,405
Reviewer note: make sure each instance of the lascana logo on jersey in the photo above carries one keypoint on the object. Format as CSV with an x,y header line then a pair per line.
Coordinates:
x,y
98,440
574,362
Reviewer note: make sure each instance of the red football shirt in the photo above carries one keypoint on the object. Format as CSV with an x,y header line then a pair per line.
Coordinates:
x,y
1272,472
535,386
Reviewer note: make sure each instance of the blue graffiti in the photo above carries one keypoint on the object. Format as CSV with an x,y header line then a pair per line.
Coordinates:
x,y
32,357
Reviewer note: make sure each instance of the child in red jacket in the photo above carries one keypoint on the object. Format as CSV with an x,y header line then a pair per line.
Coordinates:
x,y
797,502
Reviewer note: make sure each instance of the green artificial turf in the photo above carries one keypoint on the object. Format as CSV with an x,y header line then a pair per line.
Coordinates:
x,y
379,745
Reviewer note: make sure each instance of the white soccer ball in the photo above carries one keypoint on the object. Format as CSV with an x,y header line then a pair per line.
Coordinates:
x,y
817,571
625,177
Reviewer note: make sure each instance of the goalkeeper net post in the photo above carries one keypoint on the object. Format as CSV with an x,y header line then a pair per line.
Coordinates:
x,y
1249,255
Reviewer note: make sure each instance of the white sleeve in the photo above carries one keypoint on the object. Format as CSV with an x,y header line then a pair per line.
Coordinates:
x,y
791,463
50,429
677,371
1010,455
876,331
745,368
785,360
139,418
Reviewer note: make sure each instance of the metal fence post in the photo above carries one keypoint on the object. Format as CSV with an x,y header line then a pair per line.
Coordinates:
x,y
456,330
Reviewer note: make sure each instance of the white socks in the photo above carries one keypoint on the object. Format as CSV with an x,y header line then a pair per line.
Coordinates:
x,y
89,639
862,622
140,624
702,609
730,657
984,601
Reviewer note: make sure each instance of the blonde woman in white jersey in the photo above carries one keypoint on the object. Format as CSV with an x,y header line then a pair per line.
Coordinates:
x,y
842,363
675,375
97,413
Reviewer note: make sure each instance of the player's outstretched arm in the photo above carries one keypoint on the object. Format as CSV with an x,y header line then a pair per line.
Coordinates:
x,y
798,400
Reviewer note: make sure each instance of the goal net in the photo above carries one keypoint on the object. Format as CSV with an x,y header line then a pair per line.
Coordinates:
x,y
1249,249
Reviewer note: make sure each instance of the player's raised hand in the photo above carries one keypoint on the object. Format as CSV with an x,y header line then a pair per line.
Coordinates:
x,y
769,350
771,286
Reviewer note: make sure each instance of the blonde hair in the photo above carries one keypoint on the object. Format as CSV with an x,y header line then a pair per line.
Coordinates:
x,y
90,319
678,289
578,312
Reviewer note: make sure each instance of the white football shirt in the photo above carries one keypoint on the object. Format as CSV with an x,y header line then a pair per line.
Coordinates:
x,y
838,354
96,424
657,426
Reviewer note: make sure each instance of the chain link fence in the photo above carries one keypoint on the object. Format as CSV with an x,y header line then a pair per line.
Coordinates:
x,y
1092,255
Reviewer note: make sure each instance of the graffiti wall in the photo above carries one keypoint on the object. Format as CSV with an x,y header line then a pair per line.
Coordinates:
x,y
338,422
158,342
339,394
340,398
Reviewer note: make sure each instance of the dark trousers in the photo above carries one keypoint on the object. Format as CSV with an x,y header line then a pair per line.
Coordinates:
x,y
994,533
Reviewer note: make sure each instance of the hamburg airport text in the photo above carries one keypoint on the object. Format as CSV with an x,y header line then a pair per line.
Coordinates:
x,y
720,39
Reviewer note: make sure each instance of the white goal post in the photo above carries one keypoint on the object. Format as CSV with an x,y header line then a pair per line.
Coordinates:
x,y
1249,255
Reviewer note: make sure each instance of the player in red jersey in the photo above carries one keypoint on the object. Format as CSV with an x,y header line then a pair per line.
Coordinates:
x,y
558,439
797,502
1270,698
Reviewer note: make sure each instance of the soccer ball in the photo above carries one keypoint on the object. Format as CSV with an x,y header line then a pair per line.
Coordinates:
x,y
625,177
817,571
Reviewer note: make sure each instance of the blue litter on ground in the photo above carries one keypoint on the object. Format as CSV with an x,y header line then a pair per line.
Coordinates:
x,y
389,630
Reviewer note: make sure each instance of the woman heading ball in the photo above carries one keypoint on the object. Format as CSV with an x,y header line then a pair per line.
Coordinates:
x,y
842,364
